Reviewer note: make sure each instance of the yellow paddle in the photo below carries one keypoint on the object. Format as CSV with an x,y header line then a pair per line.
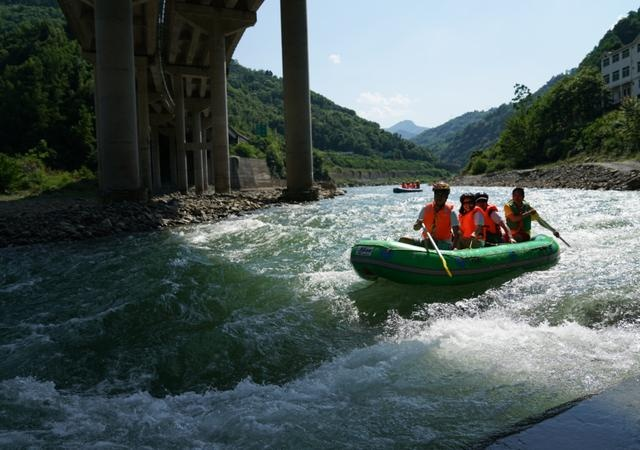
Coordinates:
x,y
444,263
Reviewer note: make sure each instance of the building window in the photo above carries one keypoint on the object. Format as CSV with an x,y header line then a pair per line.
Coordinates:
x,y
606,79
605,62
616,75
625,53
615,57
638,66
625,71
638,48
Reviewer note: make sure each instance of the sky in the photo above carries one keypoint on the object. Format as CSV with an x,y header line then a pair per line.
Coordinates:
x,y
430,61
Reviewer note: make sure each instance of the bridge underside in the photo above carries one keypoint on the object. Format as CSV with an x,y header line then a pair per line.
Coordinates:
x,y
161,96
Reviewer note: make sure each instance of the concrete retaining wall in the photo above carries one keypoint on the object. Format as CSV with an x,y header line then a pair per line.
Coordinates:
x,y
368,176
251,173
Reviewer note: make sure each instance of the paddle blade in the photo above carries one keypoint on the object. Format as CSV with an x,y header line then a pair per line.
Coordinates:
x,y
444,263
566,243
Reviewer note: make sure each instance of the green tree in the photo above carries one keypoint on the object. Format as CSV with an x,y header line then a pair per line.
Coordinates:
x,y
521,96
46,91
631,124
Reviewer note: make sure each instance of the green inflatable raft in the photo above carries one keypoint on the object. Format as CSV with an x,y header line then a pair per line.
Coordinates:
x,y
405,263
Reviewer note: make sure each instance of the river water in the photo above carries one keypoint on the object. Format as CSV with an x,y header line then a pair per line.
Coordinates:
x,y
255,332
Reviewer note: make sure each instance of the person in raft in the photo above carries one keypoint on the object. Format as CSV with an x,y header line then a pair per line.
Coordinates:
x,y
519,215
439,219
471,219
493,223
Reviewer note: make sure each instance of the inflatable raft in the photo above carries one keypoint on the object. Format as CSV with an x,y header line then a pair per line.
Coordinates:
x,y
400,190
405,263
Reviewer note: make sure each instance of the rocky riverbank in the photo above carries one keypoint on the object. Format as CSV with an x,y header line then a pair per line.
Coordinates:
x,y
624,175
49,219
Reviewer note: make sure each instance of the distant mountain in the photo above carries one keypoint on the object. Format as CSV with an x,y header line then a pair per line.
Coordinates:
x,y
454,141
407,129
434,137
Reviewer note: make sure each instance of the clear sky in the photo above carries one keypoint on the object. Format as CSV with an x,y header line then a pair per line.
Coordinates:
x,y
432,60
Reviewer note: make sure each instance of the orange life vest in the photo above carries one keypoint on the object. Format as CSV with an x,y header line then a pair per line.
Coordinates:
x,y
467,224
437,223
490,227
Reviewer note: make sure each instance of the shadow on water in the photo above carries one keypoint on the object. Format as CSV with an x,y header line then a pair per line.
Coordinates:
x,y
493,441
180,318
381,297
218,330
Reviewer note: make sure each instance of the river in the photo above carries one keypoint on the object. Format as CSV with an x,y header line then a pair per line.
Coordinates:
x,y
255,332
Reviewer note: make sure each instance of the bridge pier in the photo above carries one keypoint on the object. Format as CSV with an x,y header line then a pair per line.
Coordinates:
x,y
181,153
144,137
155,159
116,101
198,163
219,117
173,157
128,115
297,106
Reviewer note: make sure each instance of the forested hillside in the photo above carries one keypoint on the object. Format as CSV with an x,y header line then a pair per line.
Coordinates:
x,y
572,121
339,136
47,118
46,93
455,140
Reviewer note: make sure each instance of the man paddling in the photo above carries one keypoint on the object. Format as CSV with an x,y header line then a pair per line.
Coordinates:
x,y
439,219
519,215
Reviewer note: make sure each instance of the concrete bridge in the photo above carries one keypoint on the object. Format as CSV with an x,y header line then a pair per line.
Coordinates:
x,y
160,70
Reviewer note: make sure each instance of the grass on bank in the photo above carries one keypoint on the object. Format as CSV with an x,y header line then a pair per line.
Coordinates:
x,y
27,175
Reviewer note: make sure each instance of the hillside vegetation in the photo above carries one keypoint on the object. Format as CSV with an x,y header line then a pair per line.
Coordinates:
x,y
46,93
457,139
47,135
572,121
340,138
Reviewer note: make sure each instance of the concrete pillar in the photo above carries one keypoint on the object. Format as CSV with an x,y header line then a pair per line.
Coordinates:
x,y
143,124
208,144
181,154
297,105
100,154
116,105
205,163
155,159
219,119
198,165
173,159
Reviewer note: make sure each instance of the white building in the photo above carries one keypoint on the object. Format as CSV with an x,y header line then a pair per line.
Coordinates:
x,y
621,71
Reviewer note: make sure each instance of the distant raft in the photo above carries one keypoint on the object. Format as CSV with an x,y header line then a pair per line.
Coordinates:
x,y
405,263
400,190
